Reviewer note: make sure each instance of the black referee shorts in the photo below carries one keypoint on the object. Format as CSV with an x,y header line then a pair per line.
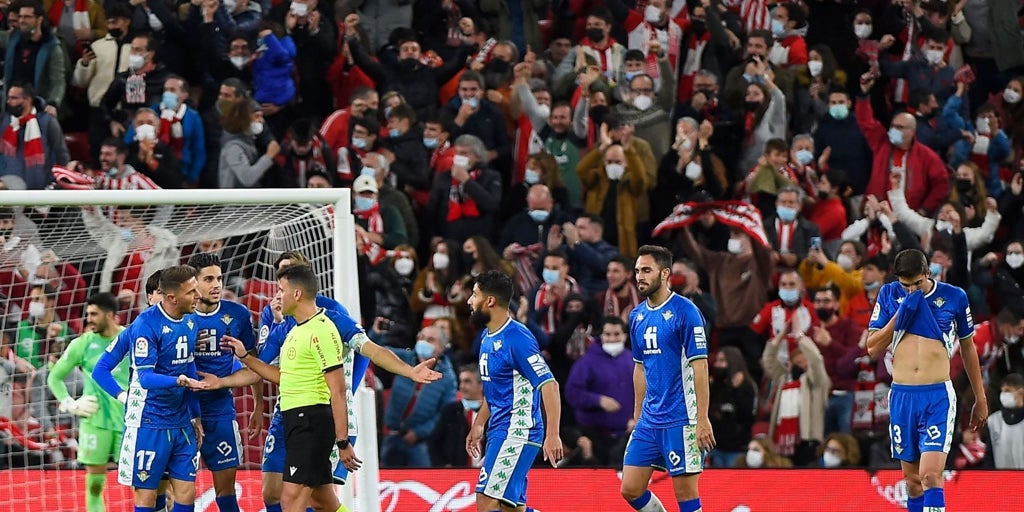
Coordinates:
x,y
308,442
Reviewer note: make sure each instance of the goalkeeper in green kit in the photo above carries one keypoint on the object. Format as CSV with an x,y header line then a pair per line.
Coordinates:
x,y
99,433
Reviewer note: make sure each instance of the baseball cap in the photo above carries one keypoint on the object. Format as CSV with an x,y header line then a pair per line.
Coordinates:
x,y
364,183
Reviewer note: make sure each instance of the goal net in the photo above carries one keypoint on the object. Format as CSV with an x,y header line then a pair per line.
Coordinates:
x,y
57,248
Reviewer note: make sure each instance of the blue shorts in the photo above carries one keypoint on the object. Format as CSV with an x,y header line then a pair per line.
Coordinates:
x,y
222,444
673,449
147,453
921,419
273,451
503,474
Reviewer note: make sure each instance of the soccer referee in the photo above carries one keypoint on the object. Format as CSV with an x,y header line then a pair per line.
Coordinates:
x,y
312,382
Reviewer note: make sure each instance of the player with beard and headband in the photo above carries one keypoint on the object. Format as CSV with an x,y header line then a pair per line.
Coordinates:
x,y
215,318
515,379
670,433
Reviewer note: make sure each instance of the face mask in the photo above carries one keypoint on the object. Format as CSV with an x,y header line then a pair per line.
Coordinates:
x,y
551,276
538,216
1015,260
239,61
872,286
1012,339
895,136
963,186
169,100
358,143
804,157
430,142
752,106
116,33
440,261
614,171
814,67
630,75
471,405
36,309
755,459
613,349
404,266
368,171
299,9
734,245
256,127
643,102
935,269
126,235
1011,96
145,132
824,314
981,143
544,111
230,5
862,30
497,66
364,203
845,262
778,28
595,35
531,177
387,110
981,124
461,161
473,102
830,460
652,14
934,57
136,61
839,112
693,171
943,225
394,132
424,349
785,213
789,295
698,26
1007,400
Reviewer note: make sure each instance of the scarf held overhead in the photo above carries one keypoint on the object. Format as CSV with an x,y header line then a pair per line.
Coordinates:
x,y
737,214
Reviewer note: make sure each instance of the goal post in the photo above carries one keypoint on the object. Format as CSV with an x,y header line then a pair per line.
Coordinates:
x,y
83,242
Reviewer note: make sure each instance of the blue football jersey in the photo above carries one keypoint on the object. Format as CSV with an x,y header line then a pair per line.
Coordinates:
x,y
230,318
666,339
167,347
512,370
944,314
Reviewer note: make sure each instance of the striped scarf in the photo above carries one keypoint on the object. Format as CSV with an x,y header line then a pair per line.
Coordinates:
x,y
171,131
32,152
374,224
753,13
738,214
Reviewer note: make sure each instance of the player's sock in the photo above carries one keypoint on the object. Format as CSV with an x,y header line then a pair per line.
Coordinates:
x,y
227,503
310,509
161,503
690,505
276,507
94,492
647,502
179,507
934,500
915,504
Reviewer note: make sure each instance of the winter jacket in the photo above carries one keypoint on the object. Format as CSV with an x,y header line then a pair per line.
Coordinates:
x,y
55,150
598,374
240,166
272,72
51,67
111,59
631,189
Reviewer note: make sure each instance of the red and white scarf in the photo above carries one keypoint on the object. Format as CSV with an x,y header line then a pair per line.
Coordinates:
x,y
611,301
695,45
753,14
79,19
461,204
484,55
523,259
32,152
171,131
787,423
550,322
374,224
738,214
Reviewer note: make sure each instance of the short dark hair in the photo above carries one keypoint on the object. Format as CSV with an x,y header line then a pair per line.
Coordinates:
x,y
103,300
879,261
440,118
152,44
404,111
117,144
36,6
471,368
293,257
1014,380
303,278
472,76
910,263
662,256
602,12
371,124
26,89
776,145
118,10
1010,314
634,54
49,292
614,320
361,93
593,218
830,288
201,260
919,96
153,282
172,278
558,253
622,260
762,34
498,285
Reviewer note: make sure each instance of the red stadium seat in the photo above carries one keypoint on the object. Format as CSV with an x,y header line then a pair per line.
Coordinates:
x,y
78,146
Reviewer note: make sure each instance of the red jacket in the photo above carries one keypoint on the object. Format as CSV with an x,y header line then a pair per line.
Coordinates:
x,y
830,216
927,183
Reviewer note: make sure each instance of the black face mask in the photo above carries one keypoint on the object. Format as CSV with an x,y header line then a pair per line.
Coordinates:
x,y
116,33
408,64
595,35
708,93
598,113
720,372
964,186
467,258
698,26
796,372
824,314
497,66
822,195
752,106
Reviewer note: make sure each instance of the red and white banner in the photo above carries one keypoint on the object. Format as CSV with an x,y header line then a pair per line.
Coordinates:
x,y
551,490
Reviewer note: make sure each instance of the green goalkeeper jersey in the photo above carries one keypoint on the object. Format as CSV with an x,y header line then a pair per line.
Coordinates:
x,y
83,352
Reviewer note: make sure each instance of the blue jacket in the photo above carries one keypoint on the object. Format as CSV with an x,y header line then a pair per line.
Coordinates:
x,y
947,127
193,155
429,401
998,151
272,71
920,75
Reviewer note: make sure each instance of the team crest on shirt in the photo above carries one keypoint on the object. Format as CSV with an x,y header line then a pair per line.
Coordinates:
x,y
497,344
226,319
939,302
666,315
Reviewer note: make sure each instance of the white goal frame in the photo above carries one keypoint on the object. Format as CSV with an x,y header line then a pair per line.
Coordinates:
x,y
367,478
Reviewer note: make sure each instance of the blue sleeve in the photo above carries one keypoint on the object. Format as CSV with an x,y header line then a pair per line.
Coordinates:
x,y
964,318
271,336
528,361
885,308
951,114
152,380
191,397
102,374
245,325
634,339
695,341
346,325
961,152
236,366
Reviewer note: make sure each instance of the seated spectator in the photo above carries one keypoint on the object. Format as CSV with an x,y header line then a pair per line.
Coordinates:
x,y
151,157
839,450
448,442
43,332
1005,430
434,285
378,228
115,173
814,82
138,87
35,138
731,407
761,453
465,200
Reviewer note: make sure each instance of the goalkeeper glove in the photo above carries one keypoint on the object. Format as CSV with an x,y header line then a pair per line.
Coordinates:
x,y
85,406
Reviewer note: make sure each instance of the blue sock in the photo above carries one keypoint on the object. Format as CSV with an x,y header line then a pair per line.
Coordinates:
x,y
227,503
310,509
689,505
161,502
144,509
915,504
178,507
641,502
276,507
934,500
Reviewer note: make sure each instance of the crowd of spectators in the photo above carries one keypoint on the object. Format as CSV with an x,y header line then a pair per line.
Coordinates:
x,y
546,139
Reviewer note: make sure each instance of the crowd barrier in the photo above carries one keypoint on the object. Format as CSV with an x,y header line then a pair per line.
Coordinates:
x,y
575,490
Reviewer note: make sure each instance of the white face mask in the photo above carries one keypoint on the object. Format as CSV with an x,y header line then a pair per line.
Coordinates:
x,y
693,170
136,61
613,349
404,266
943,225
36,309
1015,260
145,132
735,245
256,127
614,171
544,111
981,124
239,61
1011,96
814,67
643,102
845,262
652,14
755,459
440,261
831,460
863,30
1007,400
461,161
934,57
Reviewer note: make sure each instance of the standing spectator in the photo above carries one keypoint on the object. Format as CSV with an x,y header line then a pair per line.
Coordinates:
x,y
841,139
600,392
78,22
138,87
540,223
33,141
549,298
33,56
448,442
43,333
101,61
465,200
818,272
621,296
791,310
181,128
475,114
240,164
404,151
789,233
872,276
311,25
598,48
413,409
150,156
616,181
588,253
378,228
390,196
686,281
732,406
1005,430
272,71
835,338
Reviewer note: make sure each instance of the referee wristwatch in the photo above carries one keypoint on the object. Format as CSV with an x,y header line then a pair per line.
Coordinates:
x,y
342,444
